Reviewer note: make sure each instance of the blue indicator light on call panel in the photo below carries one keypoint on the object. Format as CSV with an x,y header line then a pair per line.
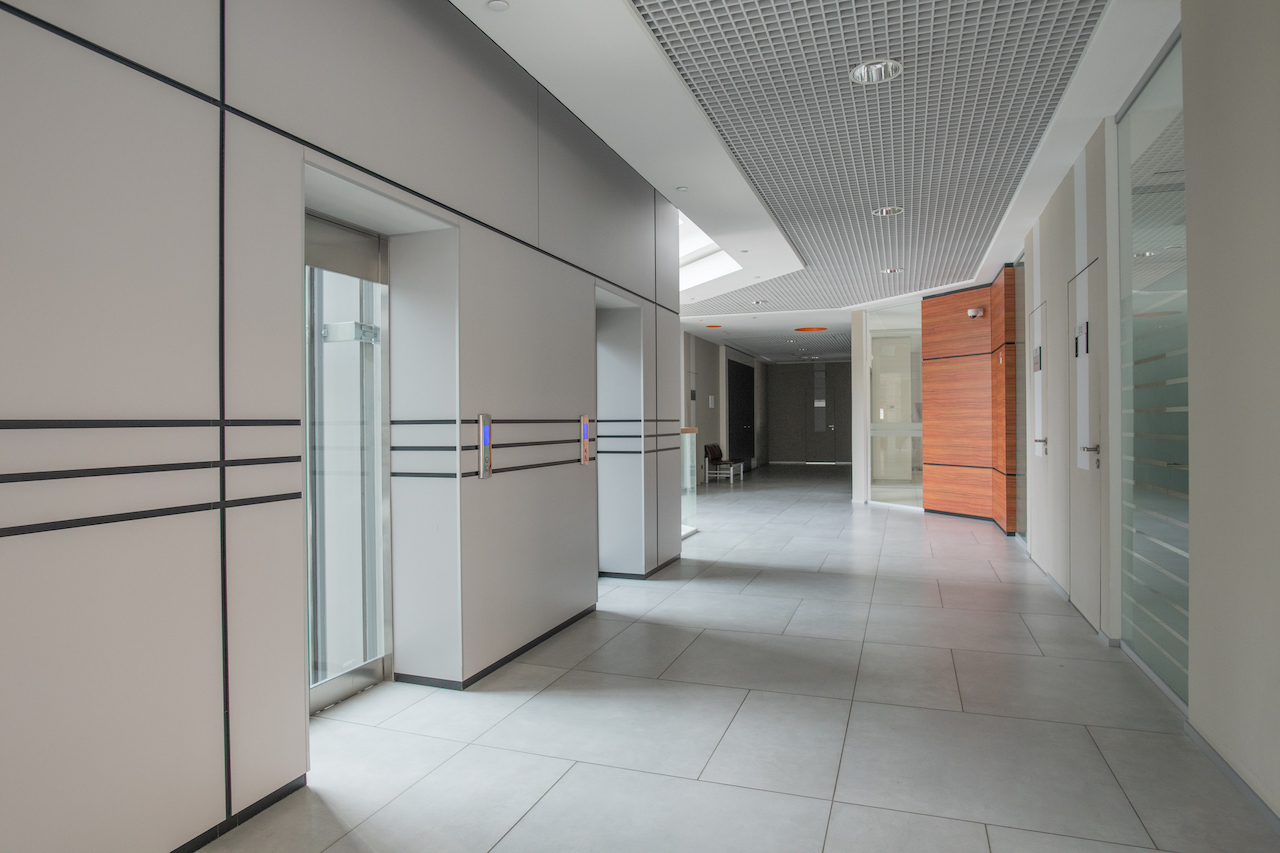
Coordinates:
x,y
486,440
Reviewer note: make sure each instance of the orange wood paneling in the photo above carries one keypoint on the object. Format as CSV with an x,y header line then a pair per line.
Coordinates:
x,y
957,411
1004,411
966,491
1004,500
1003,307
946,328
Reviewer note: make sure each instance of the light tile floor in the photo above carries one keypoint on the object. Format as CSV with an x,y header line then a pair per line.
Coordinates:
x,y
812,675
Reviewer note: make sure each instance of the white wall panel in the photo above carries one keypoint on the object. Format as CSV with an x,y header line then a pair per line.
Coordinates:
x,y
424,327
110,223
594,210
667,394
250,442
426,582
666,221
178,39
410,90
38,501
112,738
25,450
267,646
253,481
264,277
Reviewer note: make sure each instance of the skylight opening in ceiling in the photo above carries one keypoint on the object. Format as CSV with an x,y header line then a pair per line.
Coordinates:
x,y
701,259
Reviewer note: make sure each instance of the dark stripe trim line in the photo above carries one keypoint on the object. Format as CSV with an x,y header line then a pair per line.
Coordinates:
x,y
538,443
619,436
45,526
425,423
30,476
133,423
244,814
535,421
620,421
950,465
536,465
661,449
620,452
426,447
967,354
424,474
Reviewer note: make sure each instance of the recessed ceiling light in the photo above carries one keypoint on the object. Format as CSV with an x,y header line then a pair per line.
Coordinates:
x,y
682,189
791,342
499,5
713,327
759,301
744,251
876,71
886,211
812,329
892,270
1145,254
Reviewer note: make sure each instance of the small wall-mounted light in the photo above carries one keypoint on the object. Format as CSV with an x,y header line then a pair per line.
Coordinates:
x,y
975,313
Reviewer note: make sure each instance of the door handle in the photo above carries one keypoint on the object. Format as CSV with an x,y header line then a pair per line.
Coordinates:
x,y
1097,448
1042,441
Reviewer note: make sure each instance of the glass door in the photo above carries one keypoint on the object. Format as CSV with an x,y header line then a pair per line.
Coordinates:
x,y
348,464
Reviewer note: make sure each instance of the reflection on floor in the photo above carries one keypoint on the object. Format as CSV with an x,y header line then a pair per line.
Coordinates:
x,y
812,675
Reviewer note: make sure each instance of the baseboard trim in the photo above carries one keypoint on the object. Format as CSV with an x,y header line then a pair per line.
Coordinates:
x,y
624,576
491,668
244,814
1159,682
1259,804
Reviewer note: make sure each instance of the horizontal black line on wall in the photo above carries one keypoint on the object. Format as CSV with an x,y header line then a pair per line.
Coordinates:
x,y
427,474
619,436
538,443
661,449
450,422
511,468
135,423
73,473
402,448
66,524
620,452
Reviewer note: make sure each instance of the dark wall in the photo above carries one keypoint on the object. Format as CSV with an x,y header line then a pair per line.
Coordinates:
x,y
790,410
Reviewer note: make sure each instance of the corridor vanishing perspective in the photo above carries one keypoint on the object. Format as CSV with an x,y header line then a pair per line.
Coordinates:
x,y
812,675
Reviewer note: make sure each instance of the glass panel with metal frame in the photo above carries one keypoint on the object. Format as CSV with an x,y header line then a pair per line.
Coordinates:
x,y
347,470
897,442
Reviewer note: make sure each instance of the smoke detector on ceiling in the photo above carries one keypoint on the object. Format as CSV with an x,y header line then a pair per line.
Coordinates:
x,y
876,71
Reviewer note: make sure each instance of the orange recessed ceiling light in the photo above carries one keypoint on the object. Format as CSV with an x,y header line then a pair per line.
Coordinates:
x,y
713,327
812,329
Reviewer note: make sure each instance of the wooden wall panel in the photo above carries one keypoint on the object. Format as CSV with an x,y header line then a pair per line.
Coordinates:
x,y
1004,501
1003,309
966,491
947,330
957,411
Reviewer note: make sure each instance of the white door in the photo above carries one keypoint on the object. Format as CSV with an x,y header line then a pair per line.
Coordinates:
x,y
1085,316
1048,523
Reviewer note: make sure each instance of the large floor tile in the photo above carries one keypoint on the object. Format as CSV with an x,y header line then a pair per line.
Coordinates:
x,y
638,723
723,578
1005,840
464,715
1070,637
804,561
807,665
377,704
464,807
302,822
984,631
568,647
830,586
907,675
595,809
644,649
858,829
914,592
1011,597
832,620
1099,693
928,567
1019,571
716,540
851,563
629,603
728,612
1185,802
782,742
359,769
901,546
1021,773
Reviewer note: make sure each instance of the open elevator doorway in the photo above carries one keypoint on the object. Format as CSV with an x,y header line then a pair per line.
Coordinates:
x,y
359,245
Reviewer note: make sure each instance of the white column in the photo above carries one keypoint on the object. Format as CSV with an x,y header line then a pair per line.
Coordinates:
x,y
860,407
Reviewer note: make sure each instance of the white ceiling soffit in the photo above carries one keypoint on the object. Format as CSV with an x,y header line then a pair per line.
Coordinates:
x,y
599,59
993,106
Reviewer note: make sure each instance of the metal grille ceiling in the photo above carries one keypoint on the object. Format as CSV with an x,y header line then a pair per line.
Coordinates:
x,y
947,141
798,346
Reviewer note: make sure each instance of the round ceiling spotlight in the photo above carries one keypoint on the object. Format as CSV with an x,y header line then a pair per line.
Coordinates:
x,y
499,5
1145,254
892,270
886,211
682,189
759,301
876,71
812,329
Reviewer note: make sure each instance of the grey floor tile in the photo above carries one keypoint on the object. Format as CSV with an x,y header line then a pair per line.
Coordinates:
x,y
594,809
377,704
809,561
695,553
644,649
763,542
896,546
722,578
858,829
1099,693
782,742
628,603
715,540
1186,804
1019,571
832,620
728,612
359,769
854,564
1002,551
464,807
928,567
907,675
979,630
1070,637
1012,597
830,586
806,665
1021,773
464,715
567,648
915,592
302,822
1005,840
638,723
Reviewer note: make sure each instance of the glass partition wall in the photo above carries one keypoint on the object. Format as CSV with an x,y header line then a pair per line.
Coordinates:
x,y
1155,521
897,443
